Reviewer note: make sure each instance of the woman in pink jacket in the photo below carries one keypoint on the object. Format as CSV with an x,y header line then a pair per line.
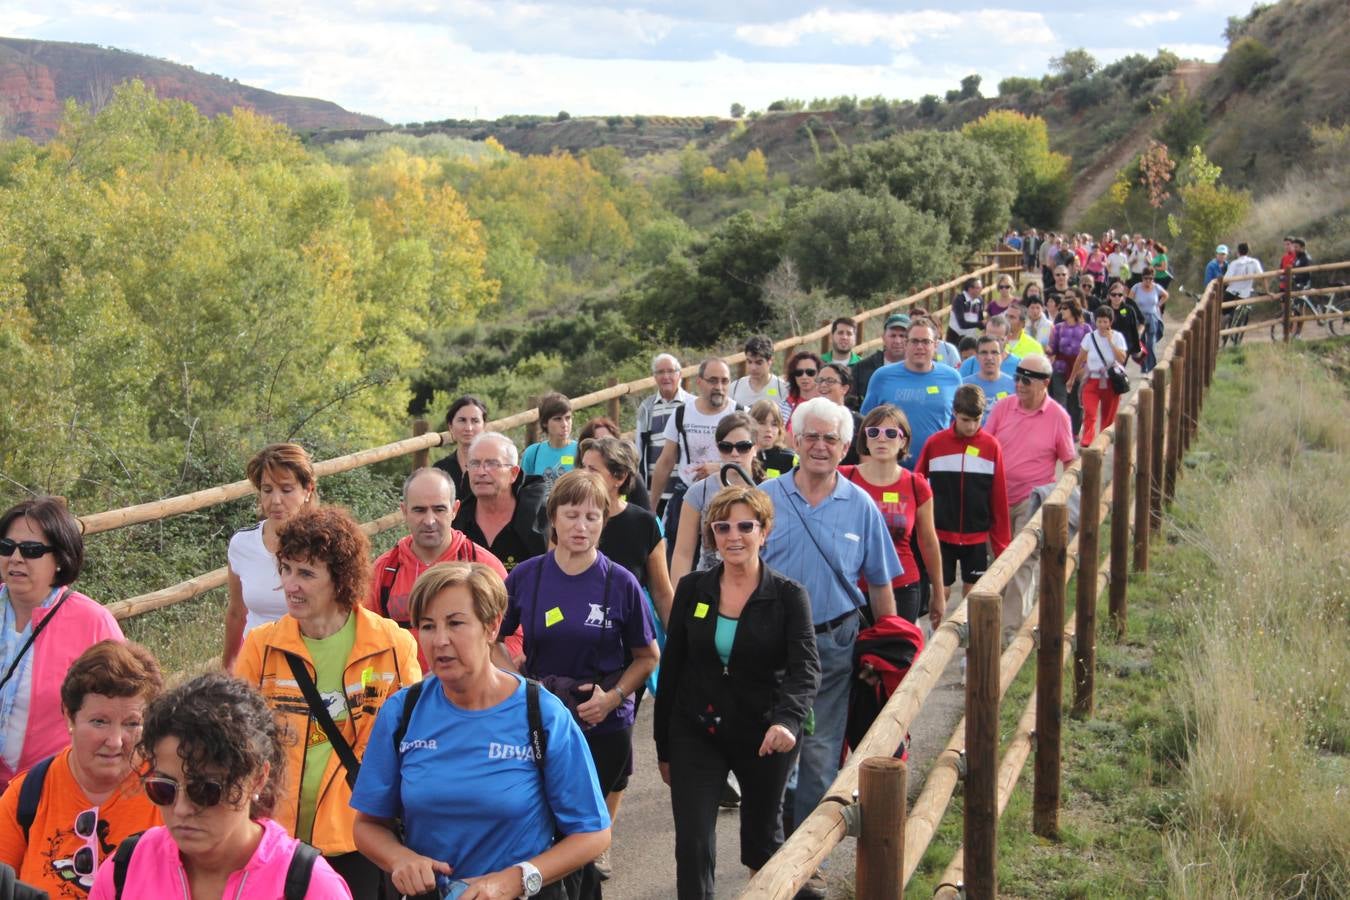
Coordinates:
x,y
213,763
46,626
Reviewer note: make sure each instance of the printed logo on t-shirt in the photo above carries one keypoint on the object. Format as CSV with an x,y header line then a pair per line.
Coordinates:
x,y
596,618
509,751
419,744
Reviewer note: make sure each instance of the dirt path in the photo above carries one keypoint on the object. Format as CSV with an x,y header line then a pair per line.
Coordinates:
x,y
1096,178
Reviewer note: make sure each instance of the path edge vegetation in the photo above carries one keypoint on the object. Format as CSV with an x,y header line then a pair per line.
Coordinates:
x,y
1217,763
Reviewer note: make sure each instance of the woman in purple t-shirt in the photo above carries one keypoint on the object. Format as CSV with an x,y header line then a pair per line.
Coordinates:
x,y
1066,339
588,633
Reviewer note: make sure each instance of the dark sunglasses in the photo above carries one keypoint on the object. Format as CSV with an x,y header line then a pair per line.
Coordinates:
x,y
1025,376
27,549
798,373
738,446
1115,294
164,791
874,431
744,526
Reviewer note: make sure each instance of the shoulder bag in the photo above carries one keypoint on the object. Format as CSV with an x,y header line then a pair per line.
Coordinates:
x,y
1120,382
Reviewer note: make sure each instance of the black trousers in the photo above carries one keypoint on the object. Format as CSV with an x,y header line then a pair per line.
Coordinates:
x,y
699,763
364,878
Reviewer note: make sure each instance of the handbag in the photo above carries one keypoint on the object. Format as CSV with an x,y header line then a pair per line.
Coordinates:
x,y
319,711
567,687
1115,375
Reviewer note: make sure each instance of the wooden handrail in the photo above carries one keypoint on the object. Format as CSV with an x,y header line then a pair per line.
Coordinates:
x,y
1277,273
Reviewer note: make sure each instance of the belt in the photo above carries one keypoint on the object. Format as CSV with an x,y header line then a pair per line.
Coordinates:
x,y
835,622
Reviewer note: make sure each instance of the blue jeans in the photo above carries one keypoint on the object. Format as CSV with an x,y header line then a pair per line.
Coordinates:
x,y
1153,329
819,762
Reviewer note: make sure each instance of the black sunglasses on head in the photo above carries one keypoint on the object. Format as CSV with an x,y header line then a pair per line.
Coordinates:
x,y
27,549
1026,376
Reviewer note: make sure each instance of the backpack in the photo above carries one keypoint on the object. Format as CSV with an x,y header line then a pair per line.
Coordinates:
x,y
390,574
890,648
679,425
298,873
30,793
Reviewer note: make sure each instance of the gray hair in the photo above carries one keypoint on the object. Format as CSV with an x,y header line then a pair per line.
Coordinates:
x,y
826,409
429,470
1000,320
656,361
1039,362
504,443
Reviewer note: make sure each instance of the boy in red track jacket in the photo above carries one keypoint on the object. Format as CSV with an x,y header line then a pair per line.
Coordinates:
x,y
964,466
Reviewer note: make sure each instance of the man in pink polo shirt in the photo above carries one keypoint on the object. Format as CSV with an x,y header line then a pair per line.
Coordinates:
x,y
1036,435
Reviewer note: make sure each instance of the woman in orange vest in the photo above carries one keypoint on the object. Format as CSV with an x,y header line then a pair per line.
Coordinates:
x,y
326,668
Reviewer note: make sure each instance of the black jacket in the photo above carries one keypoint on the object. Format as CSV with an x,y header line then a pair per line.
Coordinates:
x,y
526,535
862,372
773,671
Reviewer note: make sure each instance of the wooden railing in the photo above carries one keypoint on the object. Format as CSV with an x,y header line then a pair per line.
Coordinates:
x,y
1151,432
931,297
1285,299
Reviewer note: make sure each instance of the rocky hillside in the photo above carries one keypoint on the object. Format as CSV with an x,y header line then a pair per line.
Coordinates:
x,y
37,77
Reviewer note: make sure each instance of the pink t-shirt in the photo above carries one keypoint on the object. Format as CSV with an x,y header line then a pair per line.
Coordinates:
x,y
1033,441
155,870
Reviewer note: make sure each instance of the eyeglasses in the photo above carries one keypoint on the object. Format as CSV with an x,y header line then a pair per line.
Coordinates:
x,y
491,465
829,438
1061,274
163,791
27,549
922,342
744,526
810,373
828,382
874,431
666,372
737,447
1005,287
1025,376
716,382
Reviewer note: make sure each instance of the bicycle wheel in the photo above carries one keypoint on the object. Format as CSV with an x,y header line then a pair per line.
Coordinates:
x,y
1337,319
1240,317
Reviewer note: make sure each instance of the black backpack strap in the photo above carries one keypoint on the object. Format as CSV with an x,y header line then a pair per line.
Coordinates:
x,y
538,736
679,430
30,794
122,860
409,701
387,578
299,871
319,711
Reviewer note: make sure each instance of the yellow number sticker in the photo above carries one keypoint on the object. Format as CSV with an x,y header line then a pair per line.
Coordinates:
x,y
890,497
932,389
972,451
701,611
568,460
552,617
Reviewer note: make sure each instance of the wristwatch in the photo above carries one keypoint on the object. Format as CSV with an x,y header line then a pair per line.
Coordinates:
x,y
530,878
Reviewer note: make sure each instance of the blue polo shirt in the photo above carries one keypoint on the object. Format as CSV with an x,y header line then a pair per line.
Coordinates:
x,y
994,391
971,366
850,529
925,397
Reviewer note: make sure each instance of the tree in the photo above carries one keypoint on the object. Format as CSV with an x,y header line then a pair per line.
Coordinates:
x,y
970,87
1246,59
1209,211
1155,173
737,110
855,244
928,105
1014,86
1183,123
963,183
1074,64
1023,144
562,116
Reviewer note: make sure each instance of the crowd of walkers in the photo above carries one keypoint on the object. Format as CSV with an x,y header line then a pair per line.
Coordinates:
x,y
455,718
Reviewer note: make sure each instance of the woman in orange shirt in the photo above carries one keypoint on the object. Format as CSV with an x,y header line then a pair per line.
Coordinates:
x,y
61,818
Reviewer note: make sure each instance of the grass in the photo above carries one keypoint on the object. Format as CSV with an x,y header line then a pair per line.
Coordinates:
x,y
1217,763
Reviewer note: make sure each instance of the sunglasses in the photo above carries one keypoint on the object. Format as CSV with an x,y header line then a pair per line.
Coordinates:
x,y
744,526
798,373
1026,377
85,861
1115,294
874,431
27,549
164,791
738,446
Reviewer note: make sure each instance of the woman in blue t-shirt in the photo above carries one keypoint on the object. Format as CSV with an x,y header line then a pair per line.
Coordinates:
x,y
557,452
589,636
460,769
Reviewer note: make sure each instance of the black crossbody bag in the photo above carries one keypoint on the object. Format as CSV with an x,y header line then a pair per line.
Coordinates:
x,y
320,713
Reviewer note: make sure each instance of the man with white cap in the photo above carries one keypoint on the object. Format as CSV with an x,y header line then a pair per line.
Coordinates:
x,y
1217,266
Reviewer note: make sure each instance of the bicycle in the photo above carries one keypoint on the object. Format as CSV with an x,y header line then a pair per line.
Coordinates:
x,y
1324,305
1232,318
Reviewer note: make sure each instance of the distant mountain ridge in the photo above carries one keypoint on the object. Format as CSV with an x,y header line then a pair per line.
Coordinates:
x,y
37,77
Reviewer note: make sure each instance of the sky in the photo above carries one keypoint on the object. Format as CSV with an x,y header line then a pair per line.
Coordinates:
x,y
420,60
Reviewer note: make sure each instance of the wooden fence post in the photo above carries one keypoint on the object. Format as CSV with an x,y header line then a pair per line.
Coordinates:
x,y
1176,374
1143,480
1287,303
532,428
1120,517
611,406
1157,443
1050,670
1085,608
420,457
825,342
881,845
981,789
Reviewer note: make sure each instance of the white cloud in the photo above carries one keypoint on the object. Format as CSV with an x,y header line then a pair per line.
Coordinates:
x,y
900,30
1206,52
1149,19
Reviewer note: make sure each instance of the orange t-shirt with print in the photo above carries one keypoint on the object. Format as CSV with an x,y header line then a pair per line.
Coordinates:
x,y
47,860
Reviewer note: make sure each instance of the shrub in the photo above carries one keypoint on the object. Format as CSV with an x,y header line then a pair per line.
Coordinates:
x,y
1246,60
1016,86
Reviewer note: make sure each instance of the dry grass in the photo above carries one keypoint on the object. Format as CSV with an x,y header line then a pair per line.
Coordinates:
x,y
1265,688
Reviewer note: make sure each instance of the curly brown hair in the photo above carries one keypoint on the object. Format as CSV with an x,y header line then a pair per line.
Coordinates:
x,y
329,535
226,732
113,669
